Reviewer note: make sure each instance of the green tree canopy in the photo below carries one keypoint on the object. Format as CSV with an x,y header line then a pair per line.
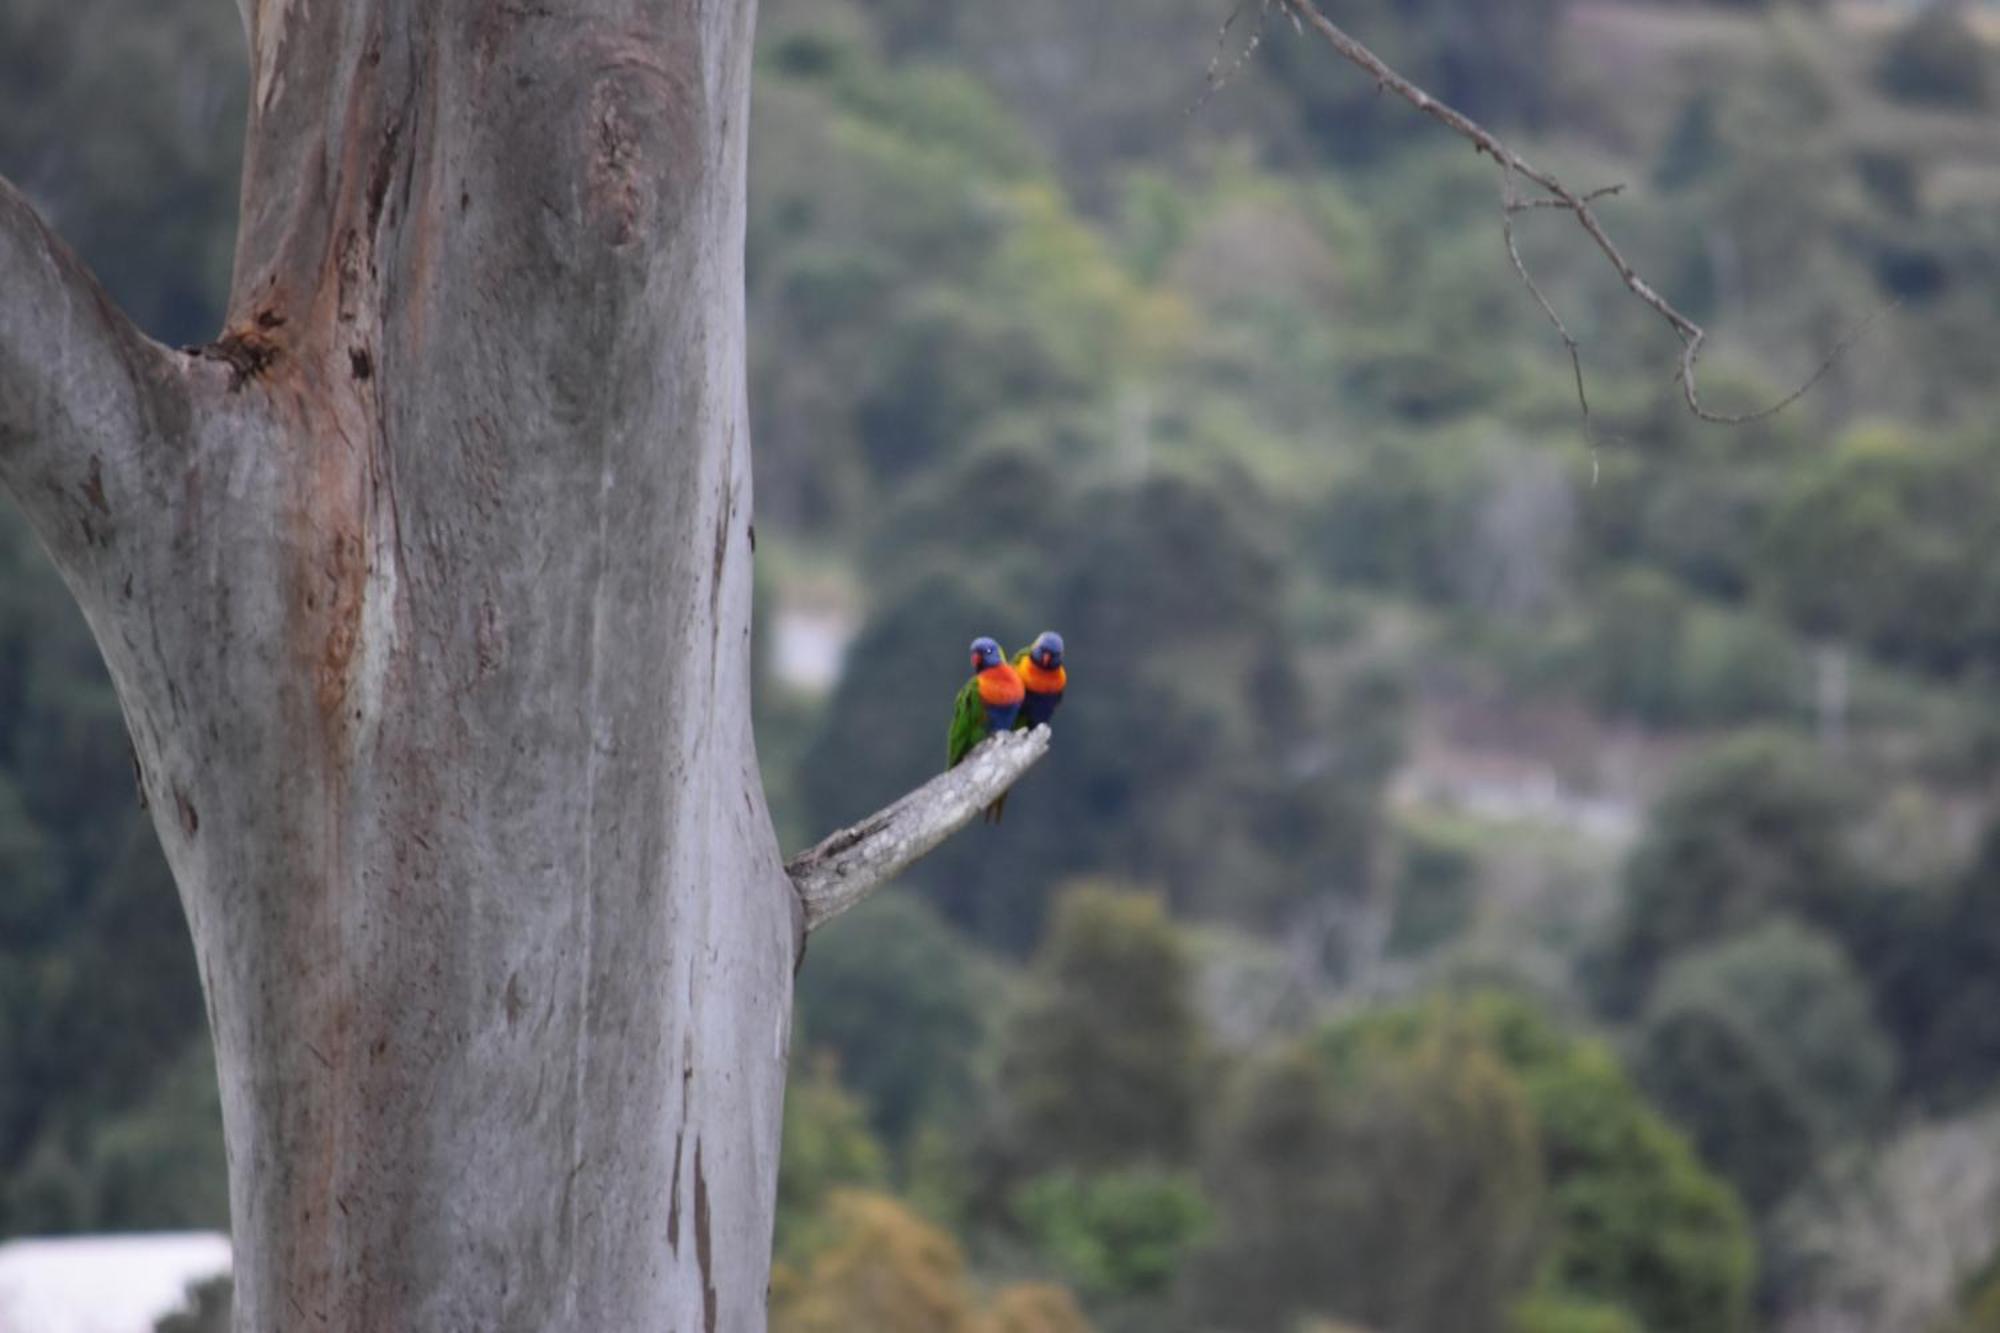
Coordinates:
x,y
1753,828
1766,1048
1396,1186
1102,1065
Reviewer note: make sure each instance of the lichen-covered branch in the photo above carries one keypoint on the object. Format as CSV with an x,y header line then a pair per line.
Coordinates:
x,y
853,863
84,395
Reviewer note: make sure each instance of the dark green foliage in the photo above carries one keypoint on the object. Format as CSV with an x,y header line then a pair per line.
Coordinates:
x,y
1435,885
1727,1087
99,1000
1893,540
1102,1065
123,118
1114,1233
1395,1186
898,998
28,882
1755,828
1637,1222
1633,1220
947,368
1654,653
1549,1314
827,1146
1937,58
1693,148
157,1166
1765,1048
1936,964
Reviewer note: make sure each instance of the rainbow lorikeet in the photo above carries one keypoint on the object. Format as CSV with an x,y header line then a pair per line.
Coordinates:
x,y
1040,667
989,702
1043,679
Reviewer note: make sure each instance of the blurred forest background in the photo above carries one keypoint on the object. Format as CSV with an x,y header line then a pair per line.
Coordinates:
x,y
1484,884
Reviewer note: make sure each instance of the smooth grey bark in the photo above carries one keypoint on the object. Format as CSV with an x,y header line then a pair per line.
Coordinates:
x,y
426,592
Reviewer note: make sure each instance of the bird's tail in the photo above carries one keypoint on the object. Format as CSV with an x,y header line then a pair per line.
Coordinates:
x,y
998,808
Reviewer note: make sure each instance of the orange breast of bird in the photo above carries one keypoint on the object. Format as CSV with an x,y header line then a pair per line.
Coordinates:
x,y
1039,681
1000,686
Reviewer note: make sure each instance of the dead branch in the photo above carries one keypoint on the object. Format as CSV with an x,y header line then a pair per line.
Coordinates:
x,y
850,865
1559,196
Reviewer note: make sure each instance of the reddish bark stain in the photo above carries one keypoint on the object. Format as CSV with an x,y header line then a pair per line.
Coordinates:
x,y
346,573
617,185
248,352
190,817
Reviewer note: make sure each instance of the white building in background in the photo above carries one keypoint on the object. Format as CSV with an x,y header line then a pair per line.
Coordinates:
x,y
103,1284
809,647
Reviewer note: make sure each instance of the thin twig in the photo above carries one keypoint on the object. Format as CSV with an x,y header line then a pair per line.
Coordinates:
x,y
1509,206
1691,334
1216,76
1602,192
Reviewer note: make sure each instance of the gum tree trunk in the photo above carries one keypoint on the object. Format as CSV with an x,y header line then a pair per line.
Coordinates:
x,y
426,590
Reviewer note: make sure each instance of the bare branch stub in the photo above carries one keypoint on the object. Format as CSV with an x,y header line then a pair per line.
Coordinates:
x,y
88,404
1564,199
848,866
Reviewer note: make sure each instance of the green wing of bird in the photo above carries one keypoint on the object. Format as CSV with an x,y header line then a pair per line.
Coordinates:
x,y
968,724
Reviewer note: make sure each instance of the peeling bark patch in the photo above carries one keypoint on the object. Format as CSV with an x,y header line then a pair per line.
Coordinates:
x,y
190,817
346,570
701,1242
617,186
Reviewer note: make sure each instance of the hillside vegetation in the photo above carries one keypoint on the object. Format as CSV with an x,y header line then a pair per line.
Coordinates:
x,y
1563,867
